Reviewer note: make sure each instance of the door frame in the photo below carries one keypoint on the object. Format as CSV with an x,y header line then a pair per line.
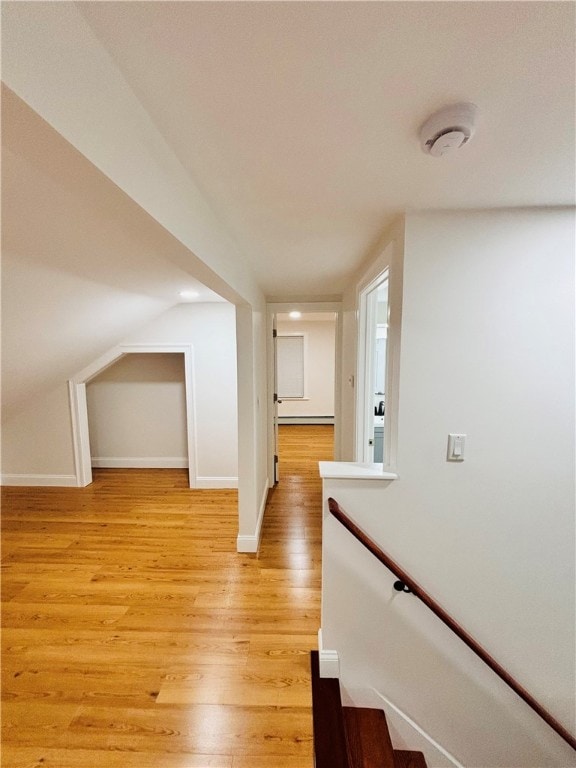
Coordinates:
x,y
79,405
272,309
365,374
391,258
275,402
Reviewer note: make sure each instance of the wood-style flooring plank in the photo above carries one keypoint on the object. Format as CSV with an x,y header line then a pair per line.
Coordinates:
x,y
38,757
135,635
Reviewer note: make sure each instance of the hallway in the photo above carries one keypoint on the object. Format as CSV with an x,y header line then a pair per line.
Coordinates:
x,y
135,635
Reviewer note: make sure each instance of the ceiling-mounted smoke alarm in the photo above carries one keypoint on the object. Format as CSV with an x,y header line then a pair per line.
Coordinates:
x,y
448,129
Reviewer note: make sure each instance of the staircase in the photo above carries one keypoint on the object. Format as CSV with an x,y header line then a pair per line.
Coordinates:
x,y
351,737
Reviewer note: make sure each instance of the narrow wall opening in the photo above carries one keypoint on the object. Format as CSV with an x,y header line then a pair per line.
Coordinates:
x,y
137,413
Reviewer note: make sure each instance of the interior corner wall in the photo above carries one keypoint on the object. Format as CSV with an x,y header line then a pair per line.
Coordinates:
x,y
210,329
320,346
37,441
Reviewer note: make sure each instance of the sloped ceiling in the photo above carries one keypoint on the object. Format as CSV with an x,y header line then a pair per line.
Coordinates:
x,y
82,264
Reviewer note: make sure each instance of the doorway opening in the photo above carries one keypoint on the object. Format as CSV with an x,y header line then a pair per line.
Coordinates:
x,y
372,371
79,405
137,413
303,382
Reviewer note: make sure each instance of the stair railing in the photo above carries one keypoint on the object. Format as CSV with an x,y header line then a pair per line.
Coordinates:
x,y
406,583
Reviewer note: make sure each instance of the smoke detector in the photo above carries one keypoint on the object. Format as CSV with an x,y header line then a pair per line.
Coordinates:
x,y
448,129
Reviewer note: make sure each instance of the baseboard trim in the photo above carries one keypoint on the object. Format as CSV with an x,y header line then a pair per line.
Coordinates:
x,y
429,746
60,481
216,482
251,542
137,462
328,660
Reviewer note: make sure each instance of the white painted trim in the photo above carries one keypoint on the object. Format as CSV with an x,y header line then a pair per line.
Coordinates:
x,y
216,482
413,724
338,386
98,366
351,470
251,542
272,420
79,407
246,543
139,462
61,481
328,660
80,436
189,384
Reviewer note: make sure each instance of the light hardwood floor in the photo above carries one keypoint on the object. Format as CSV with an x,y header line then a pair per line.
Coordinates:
x,y
134,635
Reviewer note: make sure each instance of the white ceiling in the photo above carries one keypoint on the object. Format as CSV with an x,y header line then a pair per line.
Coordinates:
x,y
299,120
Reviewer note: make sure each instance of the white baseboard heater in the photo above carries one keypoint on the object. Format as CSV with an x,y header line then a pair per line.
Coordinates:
x,y
305,419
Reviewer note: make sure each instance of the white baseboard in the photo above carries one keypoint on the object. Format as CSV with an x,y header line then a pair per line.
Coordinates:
x,y
329,662
137,462
407,734
62,481
216,482
251,542
246,543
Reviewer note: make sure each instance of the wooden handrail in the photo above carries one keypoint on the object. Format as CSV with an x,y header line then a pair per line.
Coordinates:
x,y
437,609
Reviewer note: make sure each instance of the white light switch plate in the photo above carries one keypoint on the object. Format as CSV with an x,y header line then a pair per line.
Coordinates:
x,y
456,445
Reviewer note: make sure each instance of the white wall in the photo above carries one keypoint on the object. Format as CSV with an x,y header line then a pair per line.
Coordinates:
x,y
137,412
487,349
210,328
37,441
252,425
320,340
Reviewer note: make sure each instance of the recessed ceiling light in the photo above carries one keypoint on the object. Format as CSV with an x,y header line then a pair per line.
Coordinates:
x,y
295,314
189,294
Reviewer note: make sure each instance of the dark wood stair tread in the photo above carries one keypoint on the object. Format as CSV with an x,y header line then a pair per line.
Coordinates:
x,y
407,759
368,739
328,720
351,737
